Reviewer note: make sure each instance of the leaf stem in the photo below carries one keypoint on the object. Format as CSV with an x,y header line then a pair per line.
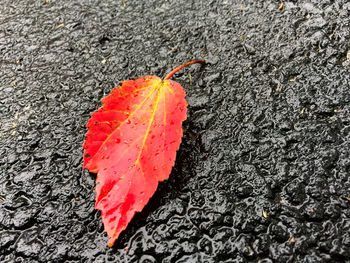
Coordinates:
x,y
171,73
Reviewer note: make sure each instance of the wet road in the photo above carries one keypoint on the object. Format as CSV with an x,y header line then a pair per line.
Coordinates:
x,y
263,172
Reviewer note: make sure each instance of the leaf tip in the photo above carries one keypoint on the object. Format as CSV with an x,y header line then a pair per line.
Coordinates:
x,y
112,240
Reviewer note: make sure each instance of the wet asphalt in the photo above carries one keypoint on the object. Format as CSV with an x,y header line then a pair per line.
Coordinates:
x,y
263,172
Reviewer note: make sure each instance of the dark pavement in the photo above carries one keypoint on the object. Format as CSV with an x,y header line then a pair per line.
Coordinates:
x,y
263,172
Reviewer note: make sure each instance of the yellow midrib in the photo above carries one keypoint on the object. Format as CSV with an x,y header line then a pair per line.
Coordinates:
x,y
130,115
150,122
137,162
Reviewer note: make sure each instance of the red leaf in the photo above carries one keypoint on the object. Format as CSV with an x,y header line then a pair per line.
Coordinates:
x,y
131,144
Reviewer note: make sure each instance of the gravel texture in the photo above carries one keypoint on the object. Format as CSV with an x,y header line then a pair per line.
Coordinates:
x,y
263,172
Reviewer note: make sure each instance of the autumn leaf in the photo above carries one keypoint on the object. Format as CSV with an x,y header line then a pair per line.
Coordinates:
x,y
131,144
